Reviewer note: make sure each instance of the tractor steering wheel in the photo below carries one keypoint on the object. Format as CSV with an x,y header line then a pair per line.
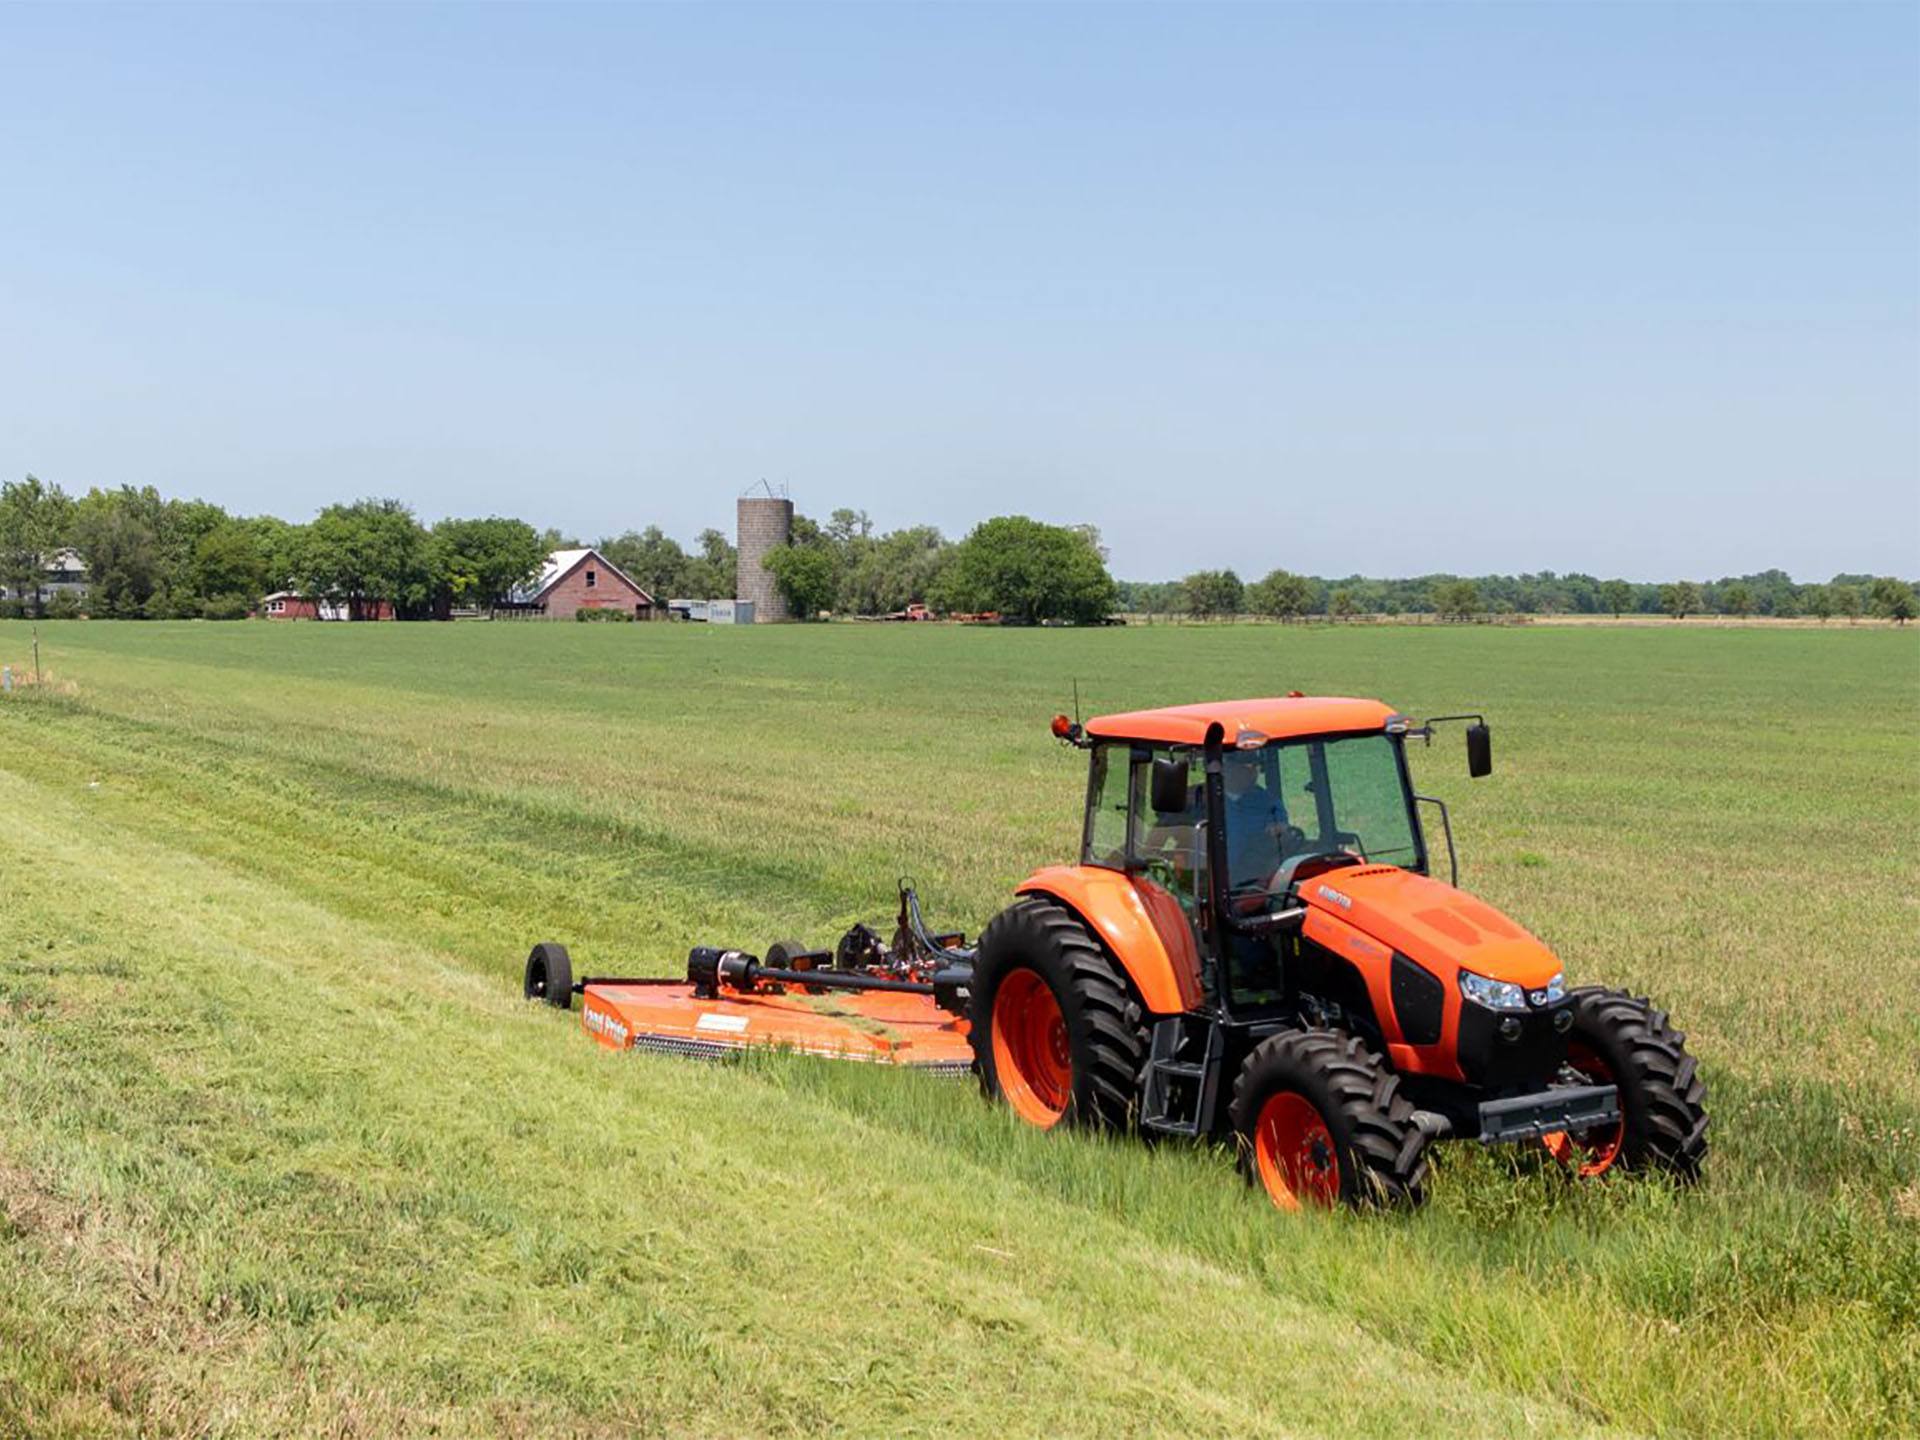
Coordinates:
x,y
1290,837
1288,874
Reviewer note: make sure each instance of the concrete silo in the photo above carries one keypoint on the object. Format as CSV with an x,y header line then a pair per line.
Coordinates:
x,y
765,523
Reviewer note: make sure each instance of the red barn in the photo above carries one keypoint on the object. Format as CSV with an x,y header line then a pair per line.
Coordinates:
x,y
575,580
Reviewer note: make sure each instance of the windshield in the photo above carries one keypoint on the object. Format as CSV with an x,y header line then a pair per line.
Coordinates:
x,y
1309,797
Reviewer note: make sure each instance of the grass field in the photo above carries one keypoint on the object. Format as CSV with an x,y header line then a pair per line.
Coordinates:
x,y
282,1151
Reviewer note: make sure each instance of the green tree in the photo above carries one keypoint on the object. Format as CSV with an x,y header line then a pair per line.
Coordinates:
x,y
179,527
35,520
1892,599
228,570
885,575
481,562
1456,599
1282,594
805,575
1680,599
1342,605
143,553
280,548
116,533
1737,599
1616,596
1214,592
1817,601
361,554
1028,570
656,562
1846,600
710,575
1167,597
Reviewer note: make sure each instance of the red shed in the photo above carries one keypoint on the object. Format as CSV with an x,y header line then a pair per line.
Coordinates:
x,y
286,605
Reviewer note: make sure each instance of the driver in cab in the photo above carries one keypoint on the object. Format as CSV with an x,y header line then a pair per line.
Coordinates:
x,y
1256,821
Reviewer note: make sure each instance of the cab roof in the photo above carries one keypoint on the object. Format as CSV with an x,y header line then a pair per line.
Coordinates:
x,y
1282,717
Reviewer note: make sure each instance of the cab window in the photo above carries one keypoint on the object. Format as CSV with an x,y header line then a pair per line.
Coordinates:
x,y
1348,794
1106,837
1170,847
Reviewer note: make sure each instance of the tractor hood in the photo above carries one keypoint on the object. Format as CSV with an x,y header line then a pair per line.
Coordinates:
x,y
1431,922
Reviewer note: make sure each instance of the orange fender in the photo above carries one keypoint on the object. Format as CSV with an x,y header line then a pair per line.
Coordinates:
x,y
1140,923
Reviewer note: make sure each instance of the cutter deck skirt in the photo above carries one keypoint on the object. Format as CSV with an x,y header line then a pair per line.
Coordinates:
x,y
881,1028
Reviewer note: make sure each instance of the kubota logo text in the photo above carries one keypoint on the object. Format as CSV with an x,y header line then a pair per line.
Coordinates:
x,y
1327,892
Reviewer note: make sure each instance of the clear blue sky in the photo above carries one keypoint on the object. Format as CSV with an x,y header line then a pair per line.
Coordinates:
x,y
1628,288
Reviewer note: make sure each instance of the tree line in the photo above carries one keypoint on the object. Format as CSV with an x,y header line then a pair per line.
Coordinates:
x,y
1013,566
151,557
1284,595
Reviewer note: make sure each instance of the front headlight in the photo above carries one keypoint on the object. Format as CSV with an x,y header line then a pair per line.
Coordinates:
x,y
1494,994
1554,993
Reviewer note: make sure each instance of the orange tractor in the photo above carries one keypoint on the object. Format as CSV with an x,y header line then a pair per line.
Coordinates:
x,y
1251,945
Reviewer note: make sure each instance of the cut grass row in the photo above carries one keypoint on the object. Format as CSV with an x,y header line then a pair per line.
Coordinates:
x,y
631,793
269,1170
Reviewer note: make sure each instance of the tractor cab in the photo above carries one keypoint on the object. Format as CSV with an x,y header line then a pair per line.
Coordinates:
x,y
1263,795
1286,808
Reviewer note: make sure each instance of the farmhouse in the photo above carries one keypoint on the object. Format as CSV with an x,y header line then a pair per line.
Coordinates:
x,y
576,580
62,573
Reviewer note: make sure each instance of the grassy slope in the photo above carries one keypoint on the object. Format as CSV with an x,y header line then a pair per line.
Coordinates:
x,y
278,1149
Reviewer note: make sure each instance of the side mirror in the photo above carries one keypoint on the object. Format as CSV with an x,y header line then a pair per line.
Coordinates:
x,y
1169,793
1479,750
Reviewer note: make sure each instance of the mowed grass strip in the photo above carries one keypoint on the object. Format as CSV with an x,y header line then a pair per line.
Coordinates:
x,y
268,1170
1724,819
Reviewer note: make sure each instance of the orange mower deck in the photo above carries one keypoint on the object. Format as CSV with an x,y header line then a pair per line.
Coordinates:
x,y
881,1028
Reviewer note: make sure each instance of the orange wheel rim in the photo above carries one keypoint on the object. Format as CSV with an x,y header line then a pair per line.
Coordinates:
x,y
1591,1152
1295,1154
1032,1057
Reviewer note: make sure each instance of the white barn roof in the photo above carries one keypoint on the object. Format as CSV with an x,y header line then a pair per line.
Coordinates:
x,y
560,562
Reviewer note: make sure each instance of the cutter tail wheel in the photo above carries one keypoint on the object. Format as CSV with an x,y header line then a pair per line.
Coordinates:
x,y
1622,1040
1322,1122
549,975
1055,1031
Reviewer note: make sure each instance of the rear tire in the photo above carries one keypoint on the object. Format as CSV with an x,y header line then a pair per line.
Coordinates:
x,y
1321,1121
1619,1039
1056,1033
549,975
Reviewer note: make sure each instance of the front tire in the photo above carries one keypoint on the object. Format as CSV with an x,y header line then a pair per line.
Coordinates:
x,y
1321,1122
1622,1040
1056,1033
